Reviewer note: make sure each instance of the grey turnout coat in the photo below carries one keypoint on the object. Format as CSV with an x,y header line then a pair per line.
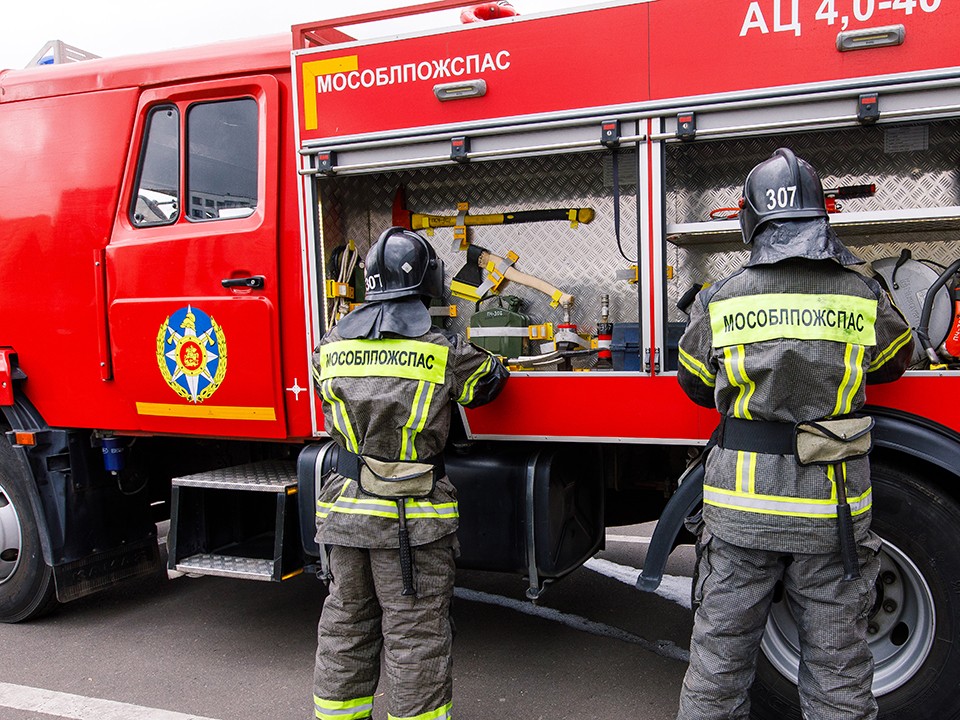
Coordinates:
x,y
388,396
788,339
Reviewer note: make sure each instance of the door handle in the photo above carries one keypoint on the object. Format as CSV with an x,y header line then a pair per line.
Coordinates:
x,y
254,282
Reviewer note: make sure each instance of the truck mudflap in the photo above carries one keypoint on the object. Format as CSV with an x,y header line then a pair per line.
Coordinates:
x,y
101,570
681,505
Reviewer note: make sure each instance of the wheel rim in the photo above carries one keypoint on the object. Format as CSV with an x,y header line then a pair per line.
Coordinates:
x,y
11,537
901,626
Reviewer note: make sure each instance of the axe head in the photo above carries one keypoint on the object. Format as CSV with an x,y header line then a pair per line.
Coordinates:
x,y
469,277
401,216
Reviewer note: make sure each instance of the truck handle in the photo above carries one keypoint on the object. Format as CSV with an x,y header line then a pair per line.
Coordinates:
x,y
254,282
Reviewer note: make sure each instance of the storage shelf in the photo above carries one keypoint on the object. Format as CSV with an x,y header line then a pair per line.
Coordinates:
x,y
853,227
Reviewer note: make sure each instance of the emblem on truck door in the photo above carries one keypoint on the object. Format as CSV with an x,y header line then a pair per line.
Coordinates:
x,y
192,353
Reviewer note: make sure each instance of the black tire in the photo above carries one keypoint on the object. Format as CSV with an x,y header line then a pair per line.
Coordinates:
x,y
918,654
26,581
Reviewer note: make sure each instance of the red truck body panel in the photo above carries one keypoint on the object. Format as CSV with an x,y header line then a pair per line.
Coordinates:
x,y
92,292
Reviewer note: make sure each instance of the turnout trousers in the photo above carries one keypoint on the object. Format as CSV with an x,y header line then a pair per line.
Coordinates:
x,y
364,613
736,587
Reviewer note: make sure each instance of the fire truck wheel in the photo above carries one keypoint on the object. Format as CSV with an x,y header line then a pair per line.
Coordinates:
x,y
914,622
26,581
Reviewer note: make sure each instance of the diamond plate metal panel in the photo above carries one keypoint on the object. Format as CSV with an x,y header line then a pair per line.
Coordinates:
x,y
703,176
582,261
265,476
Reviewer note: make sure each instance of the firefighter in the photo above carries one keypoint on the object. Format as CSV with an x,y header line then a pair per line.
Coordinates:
x,y
388,513
781,348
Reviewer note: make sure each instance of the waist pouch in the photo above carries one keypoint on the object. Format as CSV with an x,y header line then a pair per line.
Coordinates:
x,y
825,442
396,479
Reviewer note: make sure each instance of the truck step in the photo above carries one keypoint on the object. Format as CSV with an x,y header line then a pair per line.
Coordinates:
x,y
227,566
239,522
266,476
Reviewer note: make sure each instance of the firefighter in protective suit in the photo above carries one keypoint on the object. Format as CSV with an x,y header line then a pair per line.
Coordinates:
x,y
388,513
783,348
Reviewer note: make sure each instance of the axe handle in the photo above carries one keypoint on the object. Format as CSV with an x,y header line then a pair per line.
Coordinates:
x,y
583,215
521,278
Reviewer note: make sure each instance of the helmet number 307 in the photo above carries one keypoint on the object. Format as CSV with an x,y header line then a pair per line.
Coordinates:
x,y
782,197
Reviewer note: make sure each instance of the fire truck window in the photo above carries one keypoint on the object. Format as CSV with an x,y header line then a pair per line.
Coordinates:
x,y
222,159
158,184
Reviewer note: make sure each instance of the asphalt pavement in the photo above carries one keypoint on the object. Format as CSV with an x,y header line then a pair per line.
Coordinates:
x,y
593,647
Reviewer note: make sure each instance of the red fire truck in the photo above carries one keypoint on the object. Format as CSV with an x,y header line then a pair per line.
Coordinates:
x,y
177,231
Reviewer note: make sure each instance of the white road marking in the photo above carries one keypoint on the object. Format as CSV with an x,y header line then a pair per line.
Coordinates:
x,y
664,648
78,707
638,539
673,588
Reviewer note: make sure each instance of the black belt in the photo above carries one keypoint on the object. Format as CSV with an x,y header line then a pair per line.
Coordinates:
x,y
760,436
348,464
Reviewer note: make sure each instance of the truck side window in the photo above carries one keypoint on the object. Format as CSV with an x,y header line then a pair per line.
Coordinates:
x,y
158,181
222,159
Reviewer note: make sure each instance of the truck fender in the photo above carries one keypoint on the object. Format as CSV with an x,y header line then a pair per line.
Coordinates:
x,y
22,416
904,434
916,437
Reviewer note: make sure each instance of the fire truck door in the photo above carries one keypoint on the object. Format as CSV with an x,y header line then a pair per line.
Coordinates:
x,y
191,271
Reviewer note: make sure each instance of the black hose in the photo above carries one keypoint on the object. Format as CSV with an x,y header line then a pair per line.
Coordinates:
x,y
923,328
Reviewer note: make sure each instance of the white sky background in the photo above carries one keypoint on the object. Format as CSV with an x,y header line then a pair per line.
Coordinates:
x,y
110,27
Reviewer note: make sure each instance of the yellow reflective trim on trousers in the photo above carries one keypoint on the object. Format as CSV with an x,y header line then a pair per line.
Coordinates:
x,y
780,505
356,709
341,420
747,471
800,316
697,368
890,351
441,713
735,364
390,357
470,386
852,379
419,411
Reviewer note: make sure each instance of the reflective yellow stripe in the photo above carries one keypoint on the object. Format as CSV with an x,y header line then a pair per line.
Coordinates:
x,y
441,713
470,387
852,379
697,368
356,709
890,351
801,316
737,375
375,507
417,420
780,505
341,420
747,471
408,359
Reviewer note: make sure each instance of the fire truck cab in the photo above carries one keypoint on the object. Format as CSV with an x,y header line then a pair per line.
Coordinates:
x,y
178,230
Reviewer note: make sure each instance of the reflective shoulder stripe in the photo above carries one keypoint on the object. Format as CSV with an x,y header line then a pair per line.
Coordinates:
x,y
408,359
356,709
777,505
735,364
697,368
800,316
470,386
441,713
889,352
